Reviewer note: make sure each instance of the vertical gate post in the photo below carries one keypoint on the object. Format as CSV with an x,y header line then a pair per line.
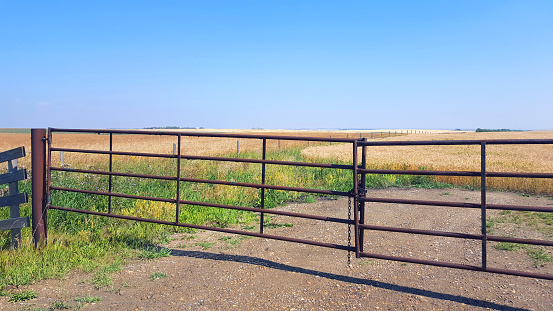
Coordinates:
x,y
38,169
483,204
356,199
261,216
362,193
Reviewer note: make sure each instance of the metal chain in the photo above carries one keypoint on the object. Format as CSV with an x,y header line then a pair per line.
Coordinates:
x,y
349,231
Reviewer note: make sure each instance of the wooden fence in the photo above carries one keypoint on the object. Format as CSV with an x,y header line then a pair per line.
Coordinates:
x,y
14,198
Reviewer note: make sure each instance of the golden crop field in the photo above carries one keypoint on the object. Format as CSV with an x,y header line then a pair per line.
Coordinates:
x,y
164,144
500,158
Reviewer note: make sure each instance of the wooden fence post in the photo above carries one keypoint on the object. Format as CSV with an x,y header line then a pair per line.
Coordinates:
x,y
14,175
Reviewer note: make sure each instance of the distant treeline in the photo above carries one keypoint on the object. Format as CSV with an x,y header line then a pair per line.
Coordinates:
x,y
172,128
496,130
15,130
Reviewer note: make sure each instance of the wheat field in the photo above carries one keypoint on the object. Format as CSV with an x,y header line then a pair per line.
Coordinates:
x,y
206,146
500,158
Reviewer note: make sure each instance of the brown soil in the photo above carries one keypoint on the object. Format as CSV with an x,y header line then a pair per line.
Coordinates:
x,y
263,274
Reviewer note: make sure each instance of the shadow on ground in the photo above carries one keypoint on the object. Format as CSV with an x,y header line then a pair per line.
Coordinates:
x,y
343,278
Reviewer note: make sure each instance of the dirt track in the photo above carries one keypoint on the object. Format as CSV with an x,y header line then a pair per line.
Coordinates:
x,y
262,274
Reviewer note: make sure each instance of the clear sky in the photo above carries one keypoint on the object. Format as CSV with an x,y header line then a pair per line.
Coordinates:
x,y
277,64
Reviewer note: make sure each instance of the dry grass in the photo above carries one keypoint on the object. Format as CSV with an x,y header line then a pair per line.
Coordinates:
x,y
500,158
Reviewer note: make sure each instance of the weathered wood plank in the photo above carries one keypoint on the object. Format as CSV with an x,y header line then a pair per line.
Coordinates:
x,y
13,176
16,153
13,199
15,223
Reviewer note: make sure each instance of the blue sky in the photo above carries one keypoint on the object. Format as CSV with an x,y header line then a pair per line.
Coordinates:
x,y
277,64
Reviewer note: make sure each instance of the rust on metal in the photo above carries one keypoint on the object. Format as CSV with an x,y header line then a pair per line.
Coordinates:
x,y
38,153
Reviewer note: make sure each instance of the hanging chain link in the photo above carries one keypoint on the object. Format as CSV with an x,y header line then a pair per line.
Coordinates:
x,y
349,231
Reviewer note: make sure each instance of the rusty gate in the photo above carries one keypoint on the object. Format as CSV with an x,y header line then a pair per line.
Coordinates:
x,y
43,145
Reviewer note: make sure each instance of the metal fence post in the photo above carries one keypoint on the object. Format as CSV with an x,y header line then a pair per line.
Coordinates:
x,y
356,200
38,154
262,215
362,193
483,204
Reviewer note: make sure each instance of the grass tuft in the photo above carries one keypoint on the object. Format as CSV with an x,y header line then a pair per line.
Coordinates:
x,y
87,299
154,253
23,296
157,276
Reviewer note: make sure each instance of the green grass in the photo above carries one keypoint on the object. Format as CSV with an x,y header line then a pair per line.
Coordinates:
x,y
99,245
153,253
23,296
61,305
204,245
102,279
538,254
507,246
87,299
157,276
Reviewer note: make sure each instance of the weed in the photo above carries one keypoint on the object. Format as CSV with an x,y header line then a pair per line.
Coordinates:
x,y
60,305
114,267
270,223
445,193
23,296
539,256
154,253
204,245
507,246
87,299
366,262
157,275
273,225
102,279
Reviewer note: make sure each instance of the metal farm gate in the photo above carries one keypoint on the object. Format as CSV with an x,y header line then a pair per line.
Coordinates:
x,y
43,145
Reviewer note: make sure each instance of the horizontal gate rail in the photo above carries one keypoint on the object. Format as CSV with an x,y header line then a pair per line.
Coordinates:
x,y
459,204
197,134
205,181
206,204
358,194
190,157
483,205
458,142
226,230
456,173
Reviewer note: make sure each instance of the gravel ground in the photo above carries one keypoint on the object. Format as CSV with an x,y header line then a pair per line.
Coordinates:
x,y
237,273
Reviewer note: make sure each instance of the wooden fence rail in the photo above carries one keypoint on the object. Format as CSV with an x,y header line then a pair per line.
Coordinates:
x,y
14,198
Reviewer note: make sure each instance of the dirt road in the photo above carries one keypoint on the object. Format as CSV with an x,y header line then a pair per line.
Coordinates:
x,y
260,274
